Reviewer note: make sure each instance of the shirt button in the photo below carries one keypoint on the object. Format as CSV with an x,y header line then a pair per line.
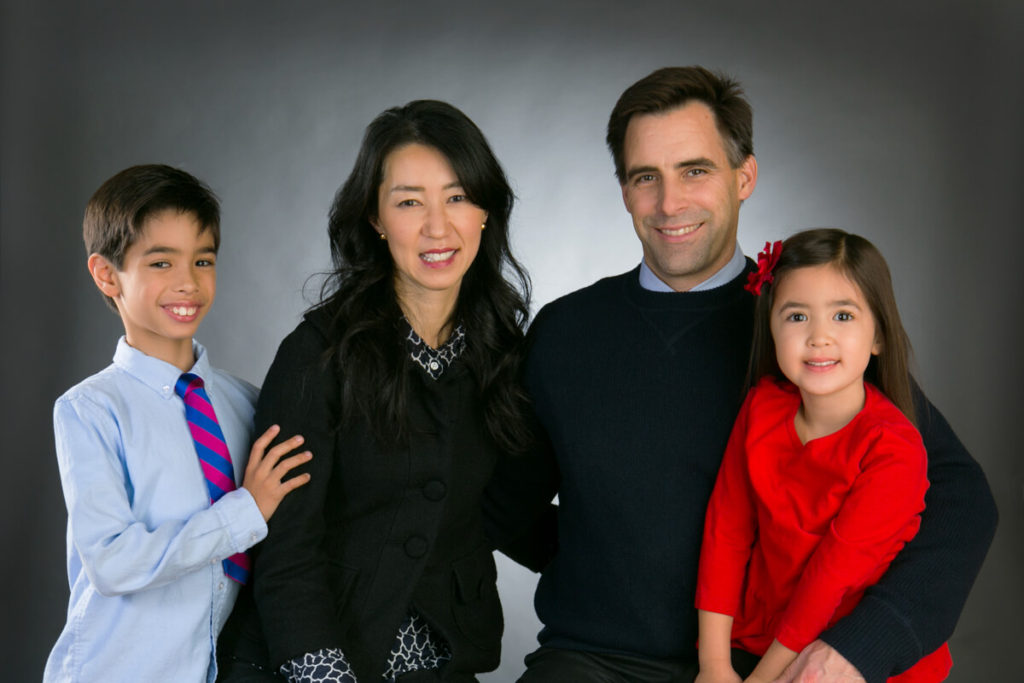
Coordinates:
x,y
416,547
220,586
434,365
434,490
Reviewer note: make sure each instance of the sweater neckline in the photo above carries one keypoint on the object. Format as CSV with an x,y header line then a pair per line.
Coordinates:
x,y
683,301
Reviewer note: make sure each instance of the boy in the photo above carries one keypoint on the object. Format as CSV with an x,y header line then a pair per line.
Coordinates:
x,y
155,533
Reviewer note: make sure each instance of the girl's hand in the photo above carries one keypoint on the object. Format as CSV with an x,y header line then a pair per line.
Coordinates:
x,y
725,674
265,471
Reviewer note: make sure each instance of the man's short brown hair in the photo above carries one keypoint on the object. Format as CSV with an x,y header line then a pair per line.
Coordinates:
x,y
672,87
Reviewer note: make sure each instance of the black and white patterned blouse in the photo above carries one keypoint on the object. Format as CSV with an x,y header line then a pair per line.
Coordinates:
x,y
416,646
435,361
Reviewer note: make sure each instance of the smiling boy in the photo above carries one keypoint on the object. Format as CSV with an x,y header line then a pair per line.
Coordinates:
x,y
155,533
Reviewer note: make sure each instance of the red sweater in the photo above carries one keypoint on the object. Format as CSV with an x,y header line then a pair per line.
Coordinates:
x,y
796,532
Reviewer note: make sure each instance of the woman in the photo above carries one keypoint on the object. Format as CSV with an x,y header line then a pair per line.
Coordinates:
x,y
404,382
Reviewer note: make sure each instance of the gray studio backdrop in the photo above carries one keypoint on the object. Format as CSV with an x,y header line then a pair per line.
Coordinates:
x,y
899,121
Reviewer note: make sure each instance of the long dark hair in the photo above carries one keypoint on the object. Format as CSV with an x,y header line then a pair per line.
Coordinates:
x,y
861,262
368,345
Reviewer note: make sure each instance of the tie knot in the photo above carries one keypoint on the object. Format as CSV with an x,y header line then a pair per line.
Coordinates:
x,y
187,383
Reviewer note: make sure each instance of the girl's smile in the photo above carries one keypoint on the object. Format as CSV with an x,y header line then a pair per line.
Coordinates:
x,y
824,336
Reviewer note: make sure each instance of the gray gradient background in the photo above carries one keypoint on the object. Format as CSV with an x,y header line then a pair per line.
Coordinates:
x,y
900,122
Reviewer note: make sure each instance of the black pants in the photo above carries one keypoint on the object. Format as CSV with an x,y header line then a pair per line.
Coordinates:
x,y
553,665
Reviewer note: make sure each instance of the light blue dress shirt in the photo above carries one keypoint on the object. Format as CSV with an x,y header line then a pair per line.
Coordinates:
x,y
148,592
735,266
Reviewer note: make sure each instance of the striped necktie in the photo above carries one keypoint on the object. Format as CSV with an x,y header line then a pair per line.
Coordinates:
x,y
213,455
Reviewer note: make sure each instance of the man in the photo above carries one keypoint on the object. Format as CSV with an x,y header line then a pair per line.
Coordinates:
x,y
636,381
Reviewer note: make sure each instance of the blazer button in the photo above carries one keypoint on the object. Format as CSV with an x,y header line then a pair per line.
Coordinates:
x,y
434,490
416,547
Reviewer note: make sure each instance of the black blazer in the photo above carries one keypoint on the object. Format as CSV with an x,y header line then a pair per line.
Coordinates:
x,y
373,532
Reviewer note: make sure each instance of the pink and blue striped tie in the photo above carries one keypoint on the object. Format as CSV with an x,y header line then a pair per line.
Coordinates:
x,y
213,454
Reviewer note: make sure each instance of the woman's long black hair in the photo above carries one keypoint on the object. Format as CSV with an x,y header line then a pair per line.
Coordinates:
x,y
368,345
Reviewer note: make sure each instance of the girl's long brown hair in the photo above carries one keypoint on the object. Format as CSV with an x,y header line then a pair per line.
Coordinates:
x,y
861,262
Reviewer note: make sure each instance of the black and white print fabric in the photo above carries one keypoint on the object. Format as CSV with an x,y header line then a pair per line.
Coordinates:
x,y
323,666
435,361
416,647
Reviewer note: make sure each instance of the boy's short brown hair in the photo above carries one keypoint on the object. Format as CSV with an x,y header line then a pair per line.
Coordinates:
x,y
117,212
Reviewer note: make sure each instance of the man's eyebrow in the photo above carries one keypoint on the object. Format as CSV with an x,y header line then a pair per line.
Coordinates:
x,y
699,161
686,163
639,170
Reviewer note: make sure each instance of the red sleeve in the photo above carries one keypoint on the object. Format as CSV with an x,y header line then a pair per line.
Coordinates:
x,y
879,515
730,527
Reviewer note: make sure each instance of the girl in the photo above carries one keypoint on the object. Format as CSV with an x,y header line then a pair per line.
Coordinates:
x,y
824,475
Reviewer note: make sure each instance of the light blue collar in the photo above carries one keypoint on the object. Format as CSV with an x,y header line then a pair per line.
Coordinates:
x,y
156,374
735,266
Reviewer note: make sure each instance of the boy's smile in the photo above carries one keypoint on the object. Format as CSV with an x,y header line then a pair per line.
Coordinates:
x,y
165,286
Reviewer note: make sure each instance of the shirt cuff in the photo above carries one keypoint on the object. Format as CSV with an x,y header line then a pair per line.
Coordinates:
x,y
875,639
242,519
323,666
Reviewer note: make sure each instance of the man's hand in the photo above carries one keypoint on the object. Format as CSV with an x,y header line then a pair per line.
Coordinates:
x,y
820,663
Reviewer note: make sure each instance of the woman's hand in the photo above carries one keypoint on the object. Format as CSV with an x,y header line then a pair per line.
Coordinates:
x,y
266,470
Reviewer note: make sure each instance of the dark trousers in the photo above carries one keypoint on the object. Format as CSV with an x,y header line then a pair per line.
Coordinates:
x,y
554,665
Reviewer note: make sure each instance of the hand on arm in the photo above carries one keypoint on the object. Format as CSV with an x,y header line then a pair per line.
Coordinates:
x,y
819,663
265,471
715,651
772,664
293,573
121,552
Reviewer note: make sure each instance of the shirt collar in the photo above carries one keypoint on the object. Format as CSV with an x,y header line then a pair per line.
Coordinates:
x,y
735,266
435,361
156,374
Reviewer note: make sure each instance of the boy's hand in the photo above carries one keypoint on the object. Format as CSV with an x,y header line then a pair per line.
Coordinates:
x,y
265,470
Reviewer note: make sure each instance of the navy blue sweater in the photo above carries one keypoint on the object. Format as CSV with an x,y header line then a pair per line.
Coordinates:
x,y
637,392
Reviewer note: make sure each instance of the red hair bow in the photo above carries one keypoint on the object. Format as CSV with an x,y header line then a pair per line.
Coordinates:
x,y
766,261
